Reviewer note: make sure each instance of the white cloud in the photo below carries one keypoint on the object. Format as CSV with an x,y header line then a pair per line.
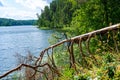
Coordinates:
x,y
33,4
11,12
22,9
1,4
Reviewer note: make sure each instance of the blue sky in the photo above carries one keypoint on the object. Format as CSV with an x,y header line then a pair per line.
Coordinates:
x,y
22,9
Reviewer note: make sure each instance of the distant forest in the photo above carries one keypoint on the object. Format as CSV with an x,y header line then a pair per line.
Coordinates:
x,y
12,22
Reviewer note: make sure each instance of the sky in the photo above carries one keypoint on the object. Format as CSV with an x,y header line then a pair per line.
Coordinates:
x,y
22,9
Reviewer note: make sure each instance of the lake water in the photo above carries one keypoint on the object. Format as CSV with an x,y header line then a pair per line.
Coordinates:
x,y
20,39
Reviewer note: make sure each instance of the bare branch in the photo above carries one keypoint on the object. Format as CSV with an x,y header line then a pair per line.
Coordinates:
x,y
77,39
15,69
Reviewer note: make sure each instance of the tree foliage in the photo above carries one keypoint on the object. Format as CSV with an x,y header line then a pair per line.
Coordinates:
x,y
12,22
80,16
58,14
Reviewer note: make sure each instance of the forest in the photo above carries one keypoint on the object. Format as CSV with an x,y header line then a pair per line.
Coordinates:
x,y
12,22
80,16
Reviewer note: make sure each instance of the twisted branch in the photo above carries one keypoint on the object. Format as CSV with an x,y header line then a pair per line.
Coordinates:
x,y
79,38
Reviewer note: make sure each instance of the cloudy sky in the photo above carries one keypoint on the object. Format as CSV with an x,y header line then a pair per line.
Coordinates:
x,y
22,9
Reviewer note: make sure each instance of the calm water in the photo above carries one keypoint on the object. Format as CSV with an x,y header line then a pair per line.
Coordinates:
x,y
20,39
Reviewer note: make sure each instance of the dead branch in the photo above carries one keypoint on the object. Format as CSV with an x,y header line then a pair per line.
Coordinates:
x,y
53,61
72,58
84,37
79,39
32,67
15,69
87,45
49,56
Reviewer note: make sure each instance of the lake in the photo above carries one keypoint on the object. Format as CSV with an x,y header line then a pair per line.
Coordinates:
x,y
20,39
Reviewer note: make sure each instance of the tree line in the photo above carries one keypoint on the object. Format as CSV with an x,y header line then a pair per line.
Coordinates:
x,y
80,16
12,22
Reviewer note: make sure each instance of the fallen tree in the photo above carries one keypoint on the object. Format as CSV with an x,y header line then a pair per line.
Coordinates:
x,y
52,68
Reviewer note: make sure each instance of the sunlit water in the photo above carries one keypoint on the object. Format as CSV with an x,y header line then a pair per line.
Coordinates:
x,y
20,39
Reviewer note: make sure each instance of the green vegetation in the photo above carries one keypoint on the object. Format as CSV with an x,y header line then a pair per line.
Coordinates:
x,y
81,16
103,64
58,14
12,22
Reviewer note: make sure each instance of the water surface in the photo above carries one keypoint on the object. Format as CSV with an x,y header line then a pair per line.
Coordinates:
x,y
20,39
